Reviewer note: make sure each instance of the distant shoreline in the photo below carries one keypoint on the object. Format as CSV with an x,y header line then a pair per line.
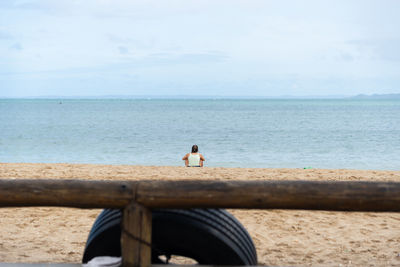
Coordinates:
x,y
210,97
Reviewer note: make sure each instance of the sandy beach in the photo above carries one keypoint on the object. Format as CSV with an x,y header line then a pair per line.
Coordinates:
x,y
296,238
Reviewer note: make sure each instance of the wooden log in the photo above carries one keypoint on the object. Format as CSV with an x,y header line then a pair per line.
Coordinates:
x,y
136,236
309,195
66,193
313,195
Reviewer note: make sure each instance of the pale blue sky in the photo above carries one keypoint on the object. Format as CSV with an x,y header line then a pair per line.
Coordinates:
x,y
221,48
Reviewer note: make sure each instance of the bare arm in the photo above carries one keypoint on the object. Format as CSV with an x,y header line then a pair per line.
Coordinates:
x,y
201,160
186,159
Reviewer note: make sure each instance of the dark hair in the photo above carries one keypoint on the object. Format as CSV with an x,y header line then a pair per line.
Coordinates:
x,y
195,148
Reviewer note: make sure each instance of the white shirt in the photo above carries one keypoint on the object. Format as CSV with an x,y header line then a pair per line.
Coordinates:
x,y
194,160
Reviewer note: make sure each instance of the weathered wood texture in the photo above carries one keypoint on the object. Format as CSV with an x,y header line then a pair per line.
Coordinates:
x,y
313,195
136,236
65,193
310,195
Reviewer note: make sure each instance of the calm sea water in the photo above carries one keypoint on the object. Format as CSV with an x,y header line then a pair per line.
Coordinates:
x,y
352,134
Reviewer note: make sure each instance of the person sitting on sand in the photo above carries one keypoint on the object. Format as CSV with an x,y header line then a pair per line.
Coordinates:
x,y
194,159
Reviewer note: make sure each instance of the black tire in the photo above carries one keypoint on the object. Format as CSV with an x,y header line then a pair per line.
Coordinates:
x,y
209,236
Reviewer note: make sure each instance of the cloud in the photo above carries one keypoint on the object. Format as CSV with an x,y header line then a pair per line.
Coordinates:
x,y
378,49
346,56
16,46
222,44
189,58
27,5
195,58
123,50
141,44
5,36
388,50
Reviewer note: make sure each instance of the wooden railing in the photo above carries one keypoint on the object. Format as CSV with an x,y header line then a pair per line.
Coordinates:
x,y
137,198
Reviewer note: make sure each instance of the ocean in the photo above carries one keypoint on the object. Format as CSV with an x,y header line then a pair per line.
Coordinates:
x,y
255,133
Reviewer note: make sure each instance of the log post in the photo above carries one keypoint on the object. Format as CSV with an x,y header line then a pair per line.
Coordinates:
x,y
296,194
136,236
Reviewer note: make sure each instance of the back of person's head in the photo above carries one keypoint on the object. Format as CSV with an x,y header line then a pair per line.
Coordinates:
x,y
195,148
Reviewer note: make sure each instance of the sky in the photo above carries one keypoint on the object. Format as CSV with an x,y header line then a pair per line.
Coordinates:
x,y
199,48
